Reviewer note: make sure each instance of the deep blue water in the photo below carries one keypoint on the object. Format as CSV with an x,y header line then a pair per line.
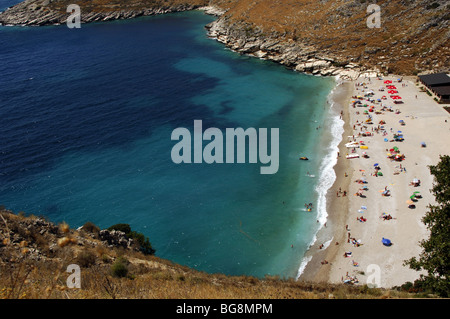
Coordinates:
x,y
4,4
86,121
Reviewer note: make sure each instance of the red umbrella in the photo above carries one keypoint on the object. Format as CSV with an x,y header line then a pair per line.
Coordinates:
x,y
387,82
392,91
392,87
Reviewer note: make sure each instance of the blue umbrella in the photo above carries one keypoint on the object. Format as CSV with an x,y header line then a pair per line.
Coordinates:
x,y
376,164
386,242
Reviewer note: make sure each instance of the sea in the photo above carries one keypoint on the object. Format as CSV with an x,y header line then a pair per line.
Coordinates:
x,y
85,136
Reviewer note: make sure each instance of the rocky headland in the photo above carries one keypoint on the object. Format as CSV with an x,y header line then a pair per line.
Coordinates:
x,y
298,56
50,12
329,38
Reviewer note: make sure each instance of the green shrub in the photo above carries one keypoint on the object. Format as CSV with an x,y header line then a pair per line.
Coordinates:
x,y
120,268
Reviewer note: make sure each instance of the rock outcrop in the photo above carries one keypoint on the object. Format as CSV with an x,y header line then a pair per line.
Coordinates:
x,y
50,12
43,239
295,55
319,37
116,238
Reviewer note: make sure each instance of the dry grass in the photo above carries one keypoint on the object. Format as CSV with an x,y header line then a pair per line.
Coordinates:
x,y
406,43
33,265
413,36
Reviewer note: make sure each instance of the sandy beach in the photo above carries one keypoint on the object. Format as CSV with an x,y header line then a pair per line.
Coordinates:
x,y
357,224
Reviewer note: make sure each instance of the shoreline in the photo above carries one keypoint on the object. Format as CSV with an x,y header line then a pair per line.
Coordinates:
x,y
338,208
425,119
328,233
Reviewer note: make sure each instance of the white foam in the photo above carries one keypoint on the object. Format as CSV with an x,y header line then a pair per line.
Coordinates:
x,y
303,264
327,175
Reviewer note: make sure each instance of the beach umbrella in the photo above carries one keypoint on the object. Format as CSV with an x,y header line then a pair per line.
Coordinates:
x,y
416,192
409,202
380,174
415,180
412,196
386,242
363,207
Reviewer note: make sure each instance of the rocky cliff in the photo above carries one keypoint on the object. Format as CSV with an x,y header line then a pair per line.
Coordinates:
x,y
47,12
322,37
333,37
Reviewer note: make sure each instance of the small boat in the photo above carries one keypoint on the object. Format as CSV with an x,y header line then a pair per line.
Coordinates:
x,y
303,158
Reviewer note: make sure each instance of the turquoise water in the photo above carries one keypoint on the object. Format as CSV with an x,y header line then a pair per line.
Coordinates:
x,y
88,119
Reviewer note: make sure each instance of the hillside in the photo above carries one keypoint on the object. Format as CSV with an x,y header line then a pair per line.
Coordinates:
x,y
323,37
35,254
414,34
45,12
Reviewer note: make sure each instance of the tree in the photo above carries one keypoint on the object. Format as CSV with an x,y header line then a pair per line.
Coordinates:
x,y
434,258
